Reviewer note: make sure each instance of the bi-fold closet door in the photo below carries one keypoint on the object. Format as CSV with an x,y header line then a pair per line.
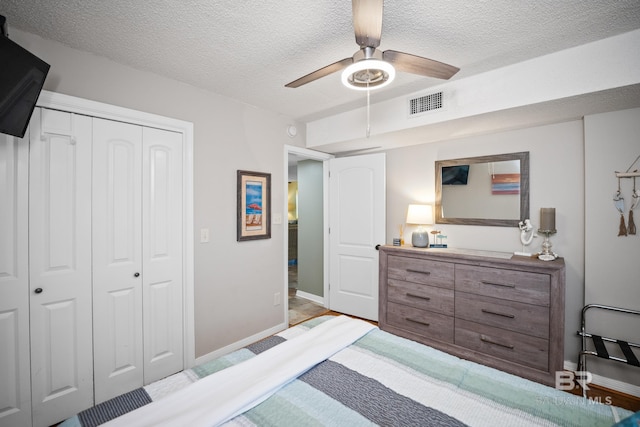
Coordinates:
x,y
90,265
137,256
59,215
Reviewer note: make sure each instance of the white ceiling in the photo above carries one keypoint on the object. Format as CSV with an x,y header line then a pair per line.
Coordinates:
x,y
248,50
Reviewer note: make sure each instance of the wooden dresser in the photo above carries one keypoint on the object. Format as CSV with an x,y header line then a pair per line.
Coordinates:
x,y
489,307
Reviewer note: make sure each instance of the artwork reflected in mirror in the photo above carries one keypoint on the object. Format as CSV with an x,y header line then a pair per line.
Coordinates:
x,y
486,190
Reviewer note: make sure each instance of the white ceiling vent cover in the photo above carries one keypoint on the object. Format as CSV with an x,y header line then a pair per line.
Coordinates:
x,y
425,103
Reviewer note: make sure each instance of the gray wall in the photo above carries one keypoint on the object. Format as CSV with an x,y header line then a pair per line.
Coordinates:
x,y
310,228
235,282
612,270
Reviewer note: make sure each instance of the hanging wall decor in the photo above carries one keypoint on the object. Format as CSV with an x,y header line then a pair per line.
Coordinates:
x,y
618,201
635,200
254,206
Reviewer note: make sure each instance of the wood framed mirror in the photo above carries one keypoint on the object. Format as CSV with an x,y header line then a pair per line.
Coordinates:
x,y
486,190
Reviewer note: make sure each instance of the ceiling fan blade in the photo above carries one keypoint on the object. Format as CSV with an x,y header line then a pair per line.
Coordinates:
x,y
418,65
367,22
324,71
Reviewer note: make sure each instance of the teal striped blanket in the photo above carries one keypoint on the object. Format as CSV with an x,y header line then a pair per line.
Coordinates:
x,y
382,379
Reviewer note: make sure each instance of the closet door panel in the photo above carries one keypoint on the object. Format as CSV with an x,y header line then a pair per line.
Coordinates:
x,y
117,266
15,392
162,253
60,265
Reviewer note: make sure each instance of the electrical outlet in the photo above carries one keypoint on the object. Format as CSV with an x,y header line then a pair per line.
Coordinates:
x,y
276,298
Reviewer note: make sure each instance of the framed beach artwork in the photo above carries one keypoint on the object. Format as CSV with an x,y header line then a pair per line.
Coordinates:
x,y
254,206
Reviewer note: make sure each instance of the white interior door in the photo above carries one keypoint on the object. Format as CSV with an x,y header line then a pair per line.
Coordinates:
x,y
357,224
60,265
15,391
162,253
117,263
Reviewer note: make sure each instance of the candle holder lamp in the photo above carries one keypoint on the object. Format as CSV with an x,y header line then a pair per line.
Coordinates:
x,y
547,228
547,254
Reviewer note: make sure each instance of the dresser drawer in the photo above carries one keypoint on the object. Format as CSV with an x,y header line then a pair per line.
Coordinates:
x,y
521,286
421,296
522,349
515,316
434,273
421,322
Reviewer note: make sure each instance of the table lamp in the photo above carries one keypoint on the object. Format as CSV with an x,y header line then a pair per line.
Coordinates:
x,y
420,215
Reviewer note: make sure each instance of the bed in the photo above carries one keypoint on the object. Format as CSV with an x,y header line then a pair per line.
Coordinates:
x,y
335,370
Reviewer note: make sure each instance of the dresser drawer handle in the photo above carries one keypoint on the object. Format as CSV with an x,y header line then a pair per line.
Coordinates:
x,y
510,316
418,296
484,338
420,322
504,285
409,270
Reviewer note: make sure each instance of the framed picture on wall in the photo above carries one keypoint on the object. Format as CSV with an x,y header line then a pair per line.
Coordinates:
x,y
254,206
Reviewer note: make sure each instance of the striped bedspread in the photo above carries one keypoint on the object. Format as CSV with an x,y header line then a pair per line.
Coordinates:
x,y
382,379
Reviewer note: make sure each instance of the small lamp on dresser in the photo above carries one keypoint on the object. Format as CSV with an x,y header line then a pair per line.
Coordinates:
x,y
421,215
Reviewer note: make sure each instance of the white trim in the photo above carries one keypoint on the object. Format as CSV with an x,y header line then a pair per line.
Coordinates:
x,y
72,104
311,297
610,383
240,344
324,158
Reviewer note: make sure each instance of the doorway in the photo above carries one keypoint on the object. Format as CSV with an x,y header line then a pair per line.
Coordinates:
x,y
305,236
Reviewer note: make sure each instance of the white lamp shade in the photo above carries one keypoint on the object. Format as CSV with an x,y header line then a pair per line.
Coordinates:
x,y
420,214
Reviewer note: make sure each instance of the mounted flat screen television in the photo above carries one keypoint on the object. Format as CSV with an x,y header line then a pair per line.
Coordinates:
x,y
22,76
455,175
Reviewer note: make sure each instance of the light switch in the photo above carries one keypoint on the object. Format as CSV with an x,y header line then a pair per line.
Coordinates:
x,y
204,235
277,218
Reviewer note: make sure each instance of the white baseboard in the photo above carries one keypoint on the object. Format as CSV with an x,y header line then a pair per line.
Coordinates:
x,y
610,383
311,297
239,344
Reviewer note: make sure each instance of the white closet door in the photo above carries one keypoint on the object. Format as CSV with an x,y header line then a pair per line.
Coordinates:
x,y
60,265
15,392
162,253
117,264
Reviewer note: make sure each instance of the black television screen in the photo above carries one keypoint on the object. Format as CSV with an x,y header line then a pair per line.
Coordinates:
x,y
455,175
22,76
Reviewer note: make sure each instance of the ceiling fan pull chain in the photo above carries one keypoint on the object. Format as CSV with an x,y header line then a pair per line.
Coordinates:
x,y
368,111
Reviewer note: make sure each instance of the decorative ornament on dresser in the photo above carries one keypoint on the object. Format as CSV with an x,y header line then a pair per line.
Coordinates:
x,y
526,236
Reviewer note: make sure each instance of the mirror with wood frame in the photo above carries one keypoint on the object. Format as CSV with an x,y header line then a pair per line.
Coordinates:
x,y
486,190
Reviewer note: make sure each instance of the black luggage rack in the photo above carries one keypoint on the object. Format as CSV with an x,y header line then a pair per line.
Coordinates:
x,y
599,342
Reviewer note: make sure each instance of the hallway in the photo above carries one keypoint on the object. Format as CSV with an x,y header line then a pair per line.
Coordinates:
x,y
300,309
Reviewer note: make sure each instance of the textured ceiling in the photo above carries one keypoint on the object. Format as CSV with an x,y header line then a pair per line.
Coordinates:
x,y
248,50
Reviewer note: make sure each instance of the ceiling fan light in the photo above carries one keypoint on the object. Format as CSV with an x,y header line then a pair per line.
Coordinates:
x,y
368,74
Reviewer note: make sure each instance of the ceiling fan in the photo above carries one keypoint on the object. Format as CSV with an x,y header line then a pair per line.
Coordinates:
x,y
370,68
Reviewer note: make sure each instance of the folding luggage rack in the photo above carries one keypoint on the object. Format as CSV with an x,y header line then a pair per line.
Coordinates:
x,y
599,342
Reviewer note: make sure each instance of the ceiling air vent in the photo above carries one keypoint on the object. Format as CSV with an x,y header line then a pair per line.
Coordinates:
x,y
425,103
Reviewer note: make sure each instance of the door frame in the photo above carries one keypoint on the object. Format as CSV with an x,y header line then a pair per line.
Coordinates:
x,y
82,106
307,154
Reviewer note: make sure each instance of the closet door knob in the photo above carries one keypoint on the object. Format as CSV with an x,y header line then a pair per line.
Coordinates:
x,y
136,274
38,290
